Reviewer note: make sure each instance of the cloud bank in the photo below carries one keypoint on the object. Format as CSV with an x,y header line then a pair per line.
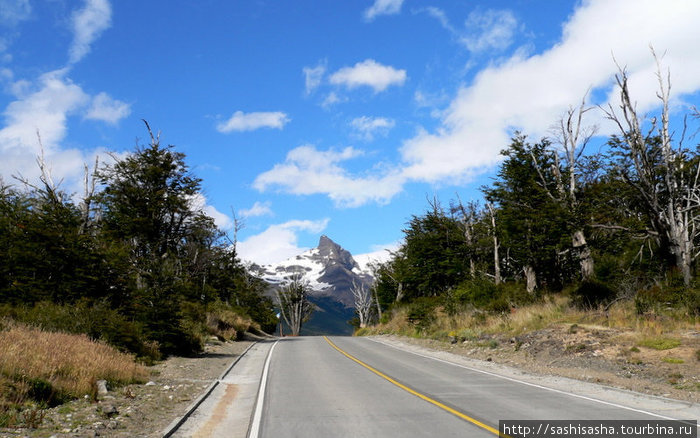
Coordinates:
x,y
524,92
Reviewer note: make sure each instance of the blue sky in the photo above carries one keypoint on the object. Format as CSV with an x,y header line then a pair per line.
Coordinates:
x,y
315,117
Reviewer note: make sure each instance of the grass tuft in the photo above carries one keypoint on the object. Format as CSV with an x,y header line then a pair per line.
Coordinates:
x,y
660,343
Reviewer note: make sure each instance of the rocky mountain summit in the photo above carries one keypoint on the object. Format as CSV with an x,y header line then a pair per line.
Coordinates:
x,y
330,272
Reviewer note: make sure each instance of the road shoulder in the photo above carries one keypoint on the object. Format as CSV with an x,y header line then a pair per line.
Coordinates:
x,y
660,405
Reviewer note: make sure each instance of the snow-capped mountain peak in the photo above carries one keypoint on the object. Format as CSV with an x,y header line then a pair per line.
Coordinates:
x,y
329,270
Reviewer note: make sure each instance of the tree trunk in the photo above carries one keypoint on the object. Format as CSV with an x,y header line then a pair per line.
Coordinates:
x,y
376,301
584,254
399,292
496,259
681,246
530,278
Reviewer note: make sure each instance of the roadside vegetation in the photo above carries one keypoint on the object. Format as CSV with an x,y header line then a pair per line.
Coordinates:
x,y
40,369
567,238
132,269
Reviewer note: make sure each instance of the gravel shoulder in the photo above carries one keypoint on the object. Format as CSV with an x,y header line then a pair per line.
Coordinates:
x,y
594,354
140,410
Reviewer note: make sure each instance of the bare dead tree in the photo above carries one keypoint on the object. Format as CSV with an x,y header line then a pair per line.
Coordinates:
x,y
659,171
394,278
238,225
294,304
89,183
573,136
49,189
468,217
374,268
363,302
496,246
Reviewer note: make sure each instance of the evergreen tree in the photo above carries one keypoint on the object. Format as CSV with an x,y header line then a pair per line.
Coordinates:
x,y
532,227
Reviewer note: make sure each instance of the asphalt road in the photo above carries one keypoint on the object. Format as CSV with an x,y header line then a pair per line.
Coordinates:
x,y
362,388
317,387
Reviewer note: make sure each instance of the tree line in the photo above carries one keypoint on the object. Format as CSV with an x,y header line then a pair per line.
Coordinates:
x,y
621,223
134,262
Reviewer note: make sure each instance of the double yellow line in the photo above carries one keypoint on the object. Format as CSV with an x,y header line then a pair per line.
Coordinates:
x,y
414,392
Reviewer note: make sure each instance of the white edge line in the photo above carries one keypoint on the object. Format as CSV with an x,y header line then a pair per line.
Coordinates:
x,y
530,384
257,416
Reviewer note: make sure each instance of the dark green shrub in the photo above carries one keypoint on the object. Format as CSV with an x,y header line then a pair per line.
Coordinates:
x,y
421,312
499,305
591,294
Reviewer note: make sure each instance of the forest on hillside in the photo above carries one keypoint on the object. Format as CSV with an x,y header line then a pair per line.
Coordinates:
x,y
619,224
134,262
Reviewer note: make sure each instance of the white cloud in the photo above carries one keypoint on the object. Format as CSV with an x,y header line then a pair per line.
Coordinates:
x,y
278,242
332,99
313,76
489,30
43,108
14,11
108,110
369,73
531,93
382,7
198,202
309,171
258,209
241,121
367,127
88,23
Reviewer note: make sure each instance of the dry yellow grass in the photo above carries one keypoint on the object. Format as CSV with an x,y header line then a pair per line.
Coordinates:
x,y
71,364
227,324
556,310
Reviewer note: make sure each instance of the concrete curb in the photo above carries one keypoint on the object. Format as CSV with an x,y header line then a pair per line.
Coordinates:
x,y
175,425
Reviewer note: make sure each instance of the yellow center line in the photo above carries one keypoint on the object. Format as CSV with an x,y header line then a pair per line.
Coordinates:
x,y
414,392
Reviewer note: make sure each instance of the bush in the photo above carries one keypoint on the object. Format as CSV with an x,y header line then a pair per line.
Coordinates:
x,y
96,320
484,294
421,312
591,294
226,323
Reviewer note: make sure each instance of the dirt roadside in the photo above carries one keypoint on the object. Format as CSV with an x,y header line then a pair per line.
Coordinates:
x,y
589,353
139,410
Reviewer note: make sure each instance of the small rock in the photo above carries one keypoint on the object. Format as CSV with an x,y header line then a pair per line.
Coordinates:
x,y
488,359
101,387
109,410
150,383
166,387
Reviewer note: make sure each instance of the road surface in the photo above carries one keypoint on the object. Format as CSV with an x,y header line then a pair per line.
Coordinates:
x,y
357,387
